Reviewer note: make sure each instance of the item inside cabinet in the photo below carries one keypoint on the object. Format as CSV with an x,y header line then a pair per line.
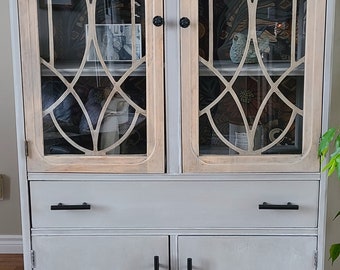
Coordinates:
x,y
273,29
250,115
69,28
57,3
65,120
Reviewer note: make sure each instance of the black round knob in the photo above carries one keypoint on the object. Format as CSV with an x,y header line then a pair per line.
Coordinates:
x,y
184,22
158,21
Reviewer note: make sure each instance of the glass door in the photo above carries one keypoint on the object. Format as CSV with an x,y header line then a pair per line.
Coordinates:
x,y
98,102
253,100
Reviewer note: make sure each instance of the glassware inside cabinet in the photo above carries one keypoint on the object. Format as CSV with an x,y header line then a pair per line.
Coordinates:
x,y
93,76
251,81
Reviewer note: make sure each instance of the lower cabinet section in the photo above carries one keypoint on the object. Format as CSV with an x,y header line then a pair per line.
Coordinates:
x,y
219,252
247,252
100,252
177,225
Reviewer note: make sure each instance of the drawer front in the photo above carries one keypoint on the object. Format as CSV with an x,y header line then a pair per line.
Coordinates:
x,y
99,252
175,204
247,252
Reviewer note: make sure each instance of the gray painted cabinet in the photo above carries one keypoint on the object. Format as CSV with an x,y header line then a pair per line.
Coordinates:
x,y
171,134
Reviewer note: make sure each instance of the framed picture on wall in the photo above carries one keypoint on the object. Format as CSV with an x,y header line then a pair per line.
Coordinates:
x,y
115,42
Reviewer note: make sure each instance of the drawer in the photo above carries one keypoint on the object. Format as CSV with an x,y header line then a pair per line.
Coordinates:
x,y
175,204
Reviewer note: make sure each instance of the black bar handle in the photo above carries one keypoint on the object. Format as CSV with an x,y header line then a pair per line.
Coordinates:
x,y
61,206
189,264
156,262
288,206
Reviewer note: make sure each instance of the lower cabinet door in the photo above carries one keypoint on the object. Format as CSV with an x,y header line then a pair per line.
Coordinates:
x,y
100,252
247,252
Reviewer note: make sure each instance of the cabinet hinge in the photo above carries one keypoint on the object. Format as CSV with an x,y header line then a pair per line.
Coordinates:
x,y
26,148
32,259
316,259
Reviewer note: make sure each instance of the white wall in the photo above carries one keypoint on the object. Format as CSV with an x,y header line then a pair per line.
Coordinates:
x,y
9,207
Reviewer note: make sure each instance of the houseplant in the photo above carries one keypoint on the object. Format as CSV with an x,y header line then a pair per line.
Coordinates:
x,y
330,143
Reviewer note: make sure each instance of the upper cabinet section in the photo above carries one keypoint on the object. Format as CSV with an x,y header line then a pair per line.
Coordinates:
x,y
93,85
252,85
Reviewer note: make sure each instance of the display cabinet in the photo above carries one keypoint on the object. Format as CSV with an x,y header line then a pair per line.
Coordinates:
x,y
93,99
171,134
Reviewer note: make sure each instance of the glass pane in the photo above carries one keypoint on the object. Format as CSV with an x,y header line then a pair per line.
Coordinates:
x,y
93,76
251,83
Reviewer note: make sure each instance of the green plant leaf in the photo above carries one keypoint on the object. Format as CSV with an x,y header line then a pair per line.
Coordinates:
x,y
329,166
338,167
335,154
338,214
333,163
326,139
337,142
334,252
332,168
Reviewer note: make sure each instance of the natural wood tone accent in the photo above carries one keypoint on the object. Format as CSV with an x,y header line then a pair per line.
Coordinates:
x,y
189,86
153,161
313,84
11,262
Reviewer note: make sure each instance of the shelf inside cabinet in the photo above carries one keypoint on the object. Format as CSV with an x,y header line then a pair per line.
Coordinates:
x,y
93,68
228,68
